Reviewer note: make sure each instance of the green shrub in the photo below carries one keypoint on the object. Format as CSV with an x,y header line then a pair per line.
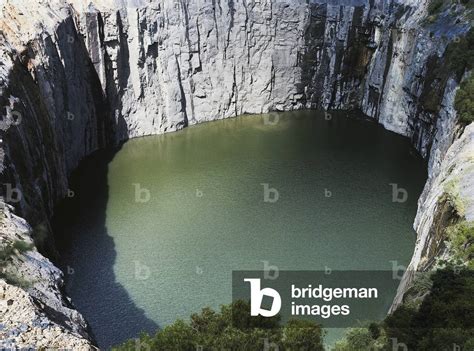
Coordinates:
x,y
22,246
361,339
231,329
13,279
461,237
302,335
455,62
435,7
8,251
5,253
459,54
444,318
464,102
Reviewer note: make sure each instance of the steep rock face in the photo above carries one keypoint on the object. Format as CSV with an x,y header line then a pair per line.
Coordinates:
x,y
165,65
455,176
54,111
172,64
81,76
53,114
40,316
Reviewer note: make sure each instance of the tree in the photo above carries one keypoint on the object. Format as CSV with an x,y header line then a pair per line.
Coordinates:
x,y
231,329
303,335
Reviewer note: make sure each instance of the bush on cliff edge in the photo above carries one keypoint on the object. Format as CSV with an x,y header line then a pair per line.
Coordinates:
x,y
464,103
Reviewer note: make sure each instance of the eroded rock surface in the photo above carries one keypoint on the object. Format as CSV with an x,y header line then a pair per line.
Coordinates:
x,y
34,311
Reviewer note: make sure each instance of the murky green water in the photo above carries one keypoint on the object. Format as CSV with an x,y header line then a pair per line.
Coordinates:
x,y
155,230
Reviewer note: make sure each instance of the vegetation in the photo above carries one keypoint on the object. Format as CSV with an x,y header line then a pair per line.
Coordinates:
x,y
452,197
456,61
464,103
7,252
419,289
435,7
460,234
459,54
444,319
438,309
13,248
15,280
461,237
231,329
371,338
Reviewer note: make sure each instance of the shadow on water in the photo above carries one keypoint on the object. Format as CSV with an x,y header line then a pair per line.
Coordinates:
x,y
92,283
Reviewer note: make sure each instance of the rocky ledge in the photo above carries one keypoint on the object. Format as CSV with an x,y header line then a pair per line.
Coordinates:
x,y
35,313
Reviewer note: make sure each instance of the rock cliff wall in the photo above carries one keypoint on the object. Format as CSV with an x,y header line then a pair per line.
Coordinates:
x,y
78,77
34,311
448,194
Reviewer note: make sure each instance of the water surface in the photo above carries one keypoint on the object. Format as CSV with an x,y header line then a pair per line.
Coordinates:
x,y
139,264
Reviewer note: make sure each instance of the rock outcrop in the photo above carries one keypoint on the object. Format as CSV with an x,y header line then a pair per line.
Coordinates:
x,y
455,179
79,76
35,312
